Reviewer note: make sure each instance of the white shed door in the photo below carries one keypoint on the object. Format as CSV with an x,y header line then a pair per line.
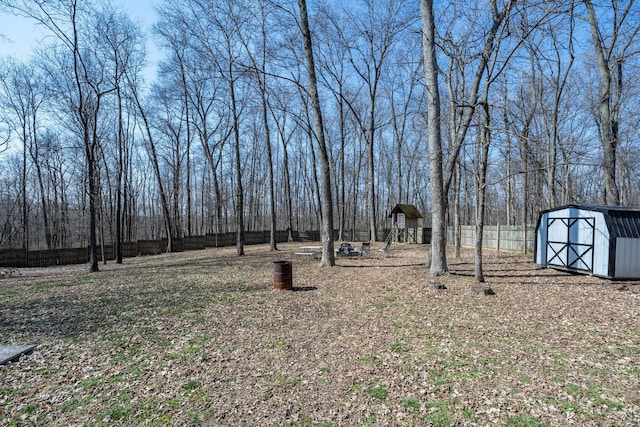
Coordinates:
x,y
570,242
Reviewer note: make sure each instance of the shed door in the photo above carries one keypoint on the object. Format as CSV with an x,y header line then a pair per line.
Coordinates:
x,y
570,243
401,220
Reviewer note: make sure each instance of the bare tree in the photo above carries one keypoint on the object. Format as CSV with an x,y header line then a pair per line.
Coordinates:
x,y
122,39
377,30
438,255
69,24
258,62
611,52
404,80
334,75
152,150
24,91
215,39
328,255
279,109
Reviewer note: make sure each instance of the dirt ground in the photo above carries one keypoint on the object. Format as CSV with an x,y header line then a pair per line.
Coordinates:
x,y
202,338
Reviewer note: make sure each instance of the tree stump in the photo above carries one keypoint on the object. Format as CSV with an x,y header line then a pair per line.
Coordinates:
x,y
435,285
484,290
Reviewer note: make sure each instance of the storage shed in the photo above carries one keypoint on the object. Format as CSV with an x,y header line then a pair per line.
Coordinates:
x,y
600,240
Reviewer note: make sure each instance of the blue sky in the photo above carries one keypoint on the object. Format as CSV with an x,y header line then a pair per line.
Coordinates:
x,y
20,36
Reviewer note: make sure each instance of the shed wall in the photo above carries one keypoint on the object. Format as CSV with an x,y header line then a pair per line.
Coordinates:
x,y
627,258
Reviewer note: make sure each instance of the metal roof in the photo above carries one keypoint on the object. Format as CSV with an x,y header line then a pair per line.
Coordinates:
x,y
409,211
622,221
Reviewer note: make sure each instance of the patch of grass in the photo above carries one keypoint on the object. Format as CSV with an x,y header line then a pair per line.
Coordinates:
x,y
468,414
29,413
153,335
411,403
573,389
440,415
174,403
71,405
201,340
281,378
125,395
565,406
48,370
183,352
127,354
356,388
201,417
136,368
399,347
119,412
523,421
192,384
30,409
596,395
227,298
17,392
91,382
114,379
370,420
150,409
378,393
523,378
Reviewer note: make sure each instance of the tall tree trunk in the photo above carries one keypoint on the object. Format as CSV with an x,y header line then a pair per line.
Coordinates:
x,y
438,256
272,194
187,115
35,157
457,229
25,204
481,187
341,160
93,196
166,210
328,254
218,197
372,184
119,176
238,168
608,126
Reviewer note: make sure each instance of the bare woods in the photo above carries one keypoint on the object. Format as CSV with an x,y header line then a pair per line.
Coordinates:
x,y
294,115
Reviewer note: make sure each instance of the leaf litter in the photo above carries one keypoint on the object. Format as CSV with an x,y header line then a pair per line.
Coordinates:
x,y
202,338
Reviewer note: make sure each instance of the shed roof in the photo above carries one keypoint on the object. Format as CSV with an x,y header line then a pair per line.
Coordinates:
x,y
409,211
622,221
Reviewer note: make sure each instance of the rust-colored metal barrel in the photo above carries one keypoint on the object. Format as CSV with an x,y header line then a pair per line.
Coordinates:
x,y
282,276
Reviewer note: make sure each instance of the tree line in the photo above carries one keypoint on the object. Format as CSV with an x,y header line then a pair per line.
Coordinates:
x,y
287,115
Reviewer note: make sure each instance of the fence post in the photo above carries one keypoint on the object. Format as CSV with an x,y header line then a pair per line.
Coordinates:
x,y
524,238
498,237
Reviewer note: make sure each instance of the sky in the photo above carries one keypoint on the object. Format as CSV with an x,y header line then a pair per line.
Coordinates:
x,y
19,36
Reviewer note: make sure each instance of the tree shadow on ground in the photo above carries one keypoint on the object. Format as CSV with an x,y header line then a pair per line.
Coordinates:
x,y
381,265
304,288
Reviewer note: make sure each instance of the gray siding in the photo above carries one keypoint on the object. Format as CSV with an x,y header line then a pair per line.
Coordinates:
x,y
627,258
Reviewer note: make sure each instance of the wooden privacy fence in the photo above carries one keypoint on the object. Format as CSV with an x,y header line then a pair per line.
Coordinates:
x,y
422,235
515,238
51,257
